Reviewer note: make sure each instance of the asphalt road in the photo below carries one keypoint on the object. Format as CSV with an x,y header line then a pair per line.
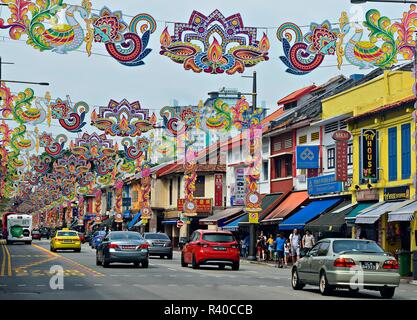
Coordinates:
x,y
25,274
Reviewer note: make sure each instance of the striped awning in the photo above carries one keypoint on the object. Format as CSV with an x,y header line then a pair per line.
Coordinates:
x,y
372,216
405,213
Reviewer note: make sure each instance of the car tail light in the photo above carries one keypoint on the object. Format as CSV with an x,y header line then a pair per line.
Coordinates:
x,y
344,263
144,246
113,246
390,264
58,239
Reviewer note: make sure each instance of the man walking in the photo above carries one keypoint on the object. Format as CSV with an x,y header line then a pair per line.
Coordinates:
x,y
308,240
280,243
295,245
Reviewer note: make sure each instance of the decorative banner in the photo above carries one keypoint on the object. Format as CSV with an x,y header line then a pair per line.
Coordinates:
x,y
387,40
53,146
118,207
93,146
369,153
341,137
71,117
234,49
46,31
123,119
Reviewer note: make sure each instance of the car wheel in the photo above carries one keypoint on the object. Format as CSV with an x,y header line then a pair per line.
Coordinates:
x,y
235,266
325,288
98,262
183,264
28,242
77,250
145,264
353,290
52,249
295,280
387,293
8,242
106,264
194,263
136,264
221,266
169,256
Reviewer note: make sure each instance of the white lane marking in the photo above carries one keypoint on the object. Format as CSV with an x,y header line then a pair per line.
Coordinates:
x,y
172,275
3,285
116,285
157,275
262,286
79,285
172,285
41,285
98,284
243,285
172,269
208,285
190,285
21,285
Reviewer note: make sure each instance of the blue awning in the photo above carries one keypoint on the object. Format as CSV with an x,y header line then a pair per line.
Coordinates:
x,y
315,208
234,225
134,220
139,223
170,221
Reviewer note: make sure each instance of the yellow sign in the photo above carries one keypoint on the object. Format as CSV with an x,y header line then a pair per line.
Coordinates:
x,y
144,221
253,217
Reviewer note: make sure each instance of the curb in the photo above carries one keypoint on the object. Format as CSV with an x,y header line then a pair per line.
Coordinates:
x,y
414,282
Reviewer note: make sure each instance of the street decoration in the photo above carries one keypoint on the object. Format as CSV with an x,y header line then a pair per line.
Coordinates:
x,y
40,21
224,44
179,124
242,117
71,117
53,146
385,42
123,119
93,146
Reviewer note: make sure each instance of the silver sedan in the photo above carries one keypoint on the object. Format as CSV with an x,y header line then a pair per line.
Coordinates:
x,y
123,247
347,263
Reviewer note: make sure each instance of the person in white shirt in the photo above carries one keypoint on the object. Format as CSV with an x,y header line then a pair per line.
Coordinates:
x,y
308,240
295,240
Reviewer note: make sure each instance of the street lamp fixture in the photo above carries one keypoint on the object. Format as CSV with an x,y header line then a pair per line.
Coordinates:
x,y
381,1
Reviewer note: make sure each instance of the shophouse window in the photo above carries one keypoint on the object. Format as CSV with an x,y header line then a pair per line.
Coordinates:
x,y
265,171
315,136
302,139
278,167
405,151
331,158
200,187
288,166
392,153
350,155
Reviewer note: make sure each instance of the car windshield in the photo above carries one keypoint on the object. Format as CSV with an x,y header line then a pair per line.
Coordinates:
x,y
35,232
156,236
356,245
218,237
125,236
67,234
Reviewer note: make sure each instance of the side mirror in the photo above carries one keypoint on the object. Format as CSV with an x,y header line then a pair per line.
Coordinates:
x,y
304,253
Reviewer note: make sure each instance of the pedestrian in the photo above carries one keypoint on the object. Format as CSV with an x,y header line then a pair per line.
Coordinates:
x,y
270,244
295,245
246,241
280,248
308,240
287,247
242,248
260,245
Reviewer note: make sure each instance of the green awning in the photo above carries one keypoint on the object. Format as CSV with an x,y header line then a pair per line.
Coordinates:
x,y
351,216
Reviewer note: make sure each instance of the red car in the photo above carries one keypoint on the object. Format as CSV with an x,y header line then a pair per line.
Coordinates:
x,y
81,236
209,247
36,234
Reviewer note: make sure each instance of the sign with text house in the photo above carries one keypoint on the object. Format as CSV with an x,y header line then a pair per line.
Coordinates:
x,y
307,157
369,152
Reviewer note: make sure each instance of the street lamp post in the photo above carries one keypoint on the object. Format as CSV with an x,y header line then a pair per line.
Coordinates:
x,y
382,1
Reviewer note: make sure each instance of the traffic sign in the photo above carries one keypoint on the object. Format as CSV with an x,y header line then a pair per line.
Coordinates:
x,y
180,223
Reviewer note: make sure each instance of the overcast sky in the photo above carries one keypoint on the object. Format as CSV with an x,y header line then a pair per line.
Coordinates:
x,y
97,79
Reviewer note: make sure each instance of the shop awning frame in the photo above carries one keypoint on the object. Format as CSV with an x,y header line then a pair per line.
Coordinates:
x,y
234,225
372,216
406,213
332,220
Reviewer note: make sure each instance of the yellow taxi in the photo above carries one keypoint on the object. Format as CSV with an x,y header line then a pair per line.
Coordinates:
x,y
66,239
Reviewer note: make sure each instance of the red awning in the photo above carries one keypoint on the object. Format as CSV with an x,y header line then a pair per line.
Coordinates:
x,y
290,204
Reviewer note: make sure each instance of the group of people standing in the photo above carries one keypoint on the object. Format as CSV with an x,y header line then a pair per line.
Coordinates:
x,y
282,249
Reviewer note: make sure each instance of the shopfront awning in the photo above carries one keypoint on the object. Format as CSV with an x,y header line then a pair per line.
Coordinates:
x,y
234,224
172,221
373,215
309,212
135,219
360,208
405,213
288,205
331,221
221,216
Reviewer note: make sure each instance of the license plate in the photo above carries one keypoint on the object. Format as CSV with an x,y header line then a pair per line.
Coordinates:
x,y
369,265
220,248
67,241
158,244
129,247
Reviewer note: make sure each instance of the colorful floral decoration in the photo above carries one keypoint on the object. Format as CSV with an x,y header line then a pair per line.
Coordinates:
x,y
123,119
93,147
70,117
242,117
386,41
40,22
124,42
119,198
135,150
41,164
224,44
53,146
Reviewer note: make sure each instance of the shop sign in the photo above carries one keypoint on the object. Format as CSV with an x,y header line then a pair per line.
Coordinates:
x,y
397,193
323,184
239,191
218,192
254,217
369,153
367,195
203,205
307,157
341,137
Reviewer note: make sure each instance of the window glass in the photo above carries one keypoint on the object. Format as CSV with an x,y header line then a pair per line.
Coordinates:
x,y
154,236
200,186
218,237
67,234
125,236
356,245
323,249
331,158
313,251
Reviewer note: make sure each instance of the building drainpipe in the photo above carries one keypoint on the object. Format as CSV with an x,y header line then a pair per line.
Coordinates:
x,y
321,150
